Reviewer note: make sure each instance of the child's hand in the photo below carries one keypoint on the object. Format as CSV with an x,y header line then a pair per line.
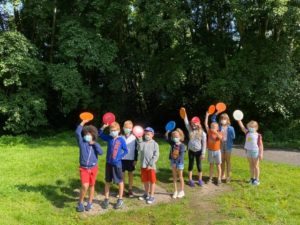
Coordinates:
x,y
104,126
83,122
149,167
134,163
202,157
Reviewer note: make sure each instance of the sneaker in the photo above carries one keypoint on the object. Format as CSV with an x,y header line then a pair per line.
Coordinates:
x,y
219,182
145,197
209,181
130,194
191,183
105,204
180,194
251,181
150,200
80,207
228,179
89,206
200,183
175,194
256,182
119,204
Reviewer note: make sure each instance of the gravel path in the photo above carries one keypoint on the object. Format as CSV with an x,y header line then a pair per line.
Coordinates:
x,y
275,155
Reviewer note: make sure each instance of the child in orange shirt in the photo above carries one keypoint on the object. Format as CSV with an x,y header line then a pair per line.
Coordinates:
x,y
214,137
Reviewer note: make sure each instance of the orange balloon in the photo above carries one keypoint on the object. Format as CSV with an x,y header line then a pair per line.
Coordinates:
x,y
211,109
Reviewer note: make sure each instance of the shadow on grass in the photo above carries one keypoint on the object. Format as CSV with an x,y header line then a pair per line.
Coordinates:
x,y
59,193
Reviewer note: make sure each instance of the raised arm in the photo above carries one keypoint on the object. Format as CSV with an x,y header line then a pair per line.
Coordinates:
x,y
206,121
102,135
79,130
186,123
242,126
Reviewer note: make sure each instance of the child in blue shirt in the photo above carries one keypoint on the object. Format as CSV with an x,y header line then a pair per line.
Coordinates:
x,y
88,159
116,150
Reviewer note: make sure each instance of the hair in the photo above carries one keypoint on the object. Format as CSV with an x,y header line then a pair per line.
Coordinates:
x,y
212,123
225,116
128,122
92,130
115,125
180,132
196,133
252,123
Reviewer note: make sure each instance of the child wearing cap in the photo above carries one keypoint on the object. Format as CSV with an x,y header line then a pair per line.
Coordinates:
x,y
214,138
129,160
149,153
116,150
196,147
88,159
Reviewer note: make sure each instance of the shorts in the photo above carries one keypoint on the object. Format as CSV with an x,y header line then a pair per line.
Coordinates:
x,y
88,176
214,156
128,165
148,175
224,148
252,153
113,173
179,166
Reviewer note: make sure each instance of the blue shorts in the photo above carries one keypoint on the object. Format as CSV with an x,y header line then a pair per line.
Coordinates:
x,y
179,166
224,148
113,173
252,154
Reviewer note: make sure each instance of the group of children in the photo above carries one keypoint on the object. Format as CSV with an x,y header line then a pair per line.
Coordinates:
x,y
123,150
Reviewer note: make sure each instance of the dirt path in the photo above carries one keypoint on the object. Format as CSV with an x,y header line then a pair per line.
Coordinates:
x,y
274,155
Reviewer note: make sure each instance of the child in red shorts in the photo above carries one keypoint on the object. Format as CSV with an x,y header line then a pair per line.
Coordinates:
x,y
149,152
88,159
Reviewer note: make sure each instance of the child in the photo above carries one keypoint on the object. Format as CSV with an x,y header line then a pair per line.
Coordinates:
x,y
176,157
116,150
214,138
129,160
228,134
88,159
196,148
149,153
254,149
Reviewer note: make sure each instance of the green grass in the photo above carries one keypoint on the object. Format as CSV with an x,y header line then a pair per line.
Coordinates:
x,y
39,175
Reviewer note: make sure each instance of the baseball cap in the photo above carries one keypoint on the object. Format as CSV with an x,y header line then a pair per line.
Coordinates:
x,y
149,129
195,119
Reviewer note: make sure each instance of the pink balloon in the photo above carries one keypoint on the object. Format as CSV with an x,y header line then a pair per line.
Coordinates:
x,y
138,131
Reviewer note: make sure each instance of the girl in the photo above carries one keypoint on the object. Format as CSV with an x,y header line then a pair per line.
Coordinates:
x,y
196,147
176,157
228,135
254,149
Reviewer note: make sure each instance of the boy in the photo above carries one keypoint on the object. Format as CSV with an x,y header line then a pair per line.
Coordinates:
x,y
214,137
88,159
116,150
129,160
149,151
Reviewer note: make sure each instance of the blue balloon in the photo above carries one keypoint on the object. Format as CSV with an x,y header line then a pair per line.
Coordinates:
x,y
170,126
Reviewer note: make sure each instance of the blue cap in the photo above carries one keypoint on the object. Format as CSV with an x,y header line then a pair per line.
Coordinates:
x,y
149,129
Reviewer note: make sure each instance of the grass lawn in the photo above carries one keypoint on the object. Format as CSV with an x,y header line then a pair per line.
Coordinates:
x,y
38,178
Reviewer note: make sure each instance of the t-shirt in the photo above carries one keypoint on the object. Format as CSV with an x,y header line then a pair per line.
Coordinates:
x,y
213,142
224,132
253,140
131,143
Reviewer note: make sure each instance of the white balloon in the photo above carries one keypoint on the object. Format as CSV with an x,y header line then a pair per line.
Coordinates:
x,y
238,115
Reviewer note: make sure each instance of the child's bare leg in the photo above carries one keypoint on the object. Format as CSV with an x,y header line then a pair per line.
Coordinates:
x,y
174,173
180,174
152,189
92,193
106,190
200,175
256,169
228,164
147,187
83,190
130,180
121,189
223,164
250,167
211,170
190,175
219,171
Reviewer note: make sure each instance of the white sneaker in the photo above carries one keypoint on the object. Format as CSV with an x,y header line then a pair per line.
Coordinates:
x,y
175,194
180,194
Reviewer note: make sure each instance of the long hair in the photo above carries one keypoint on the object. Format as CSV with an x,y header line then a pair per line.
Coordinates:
x,y
196,133
180,132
